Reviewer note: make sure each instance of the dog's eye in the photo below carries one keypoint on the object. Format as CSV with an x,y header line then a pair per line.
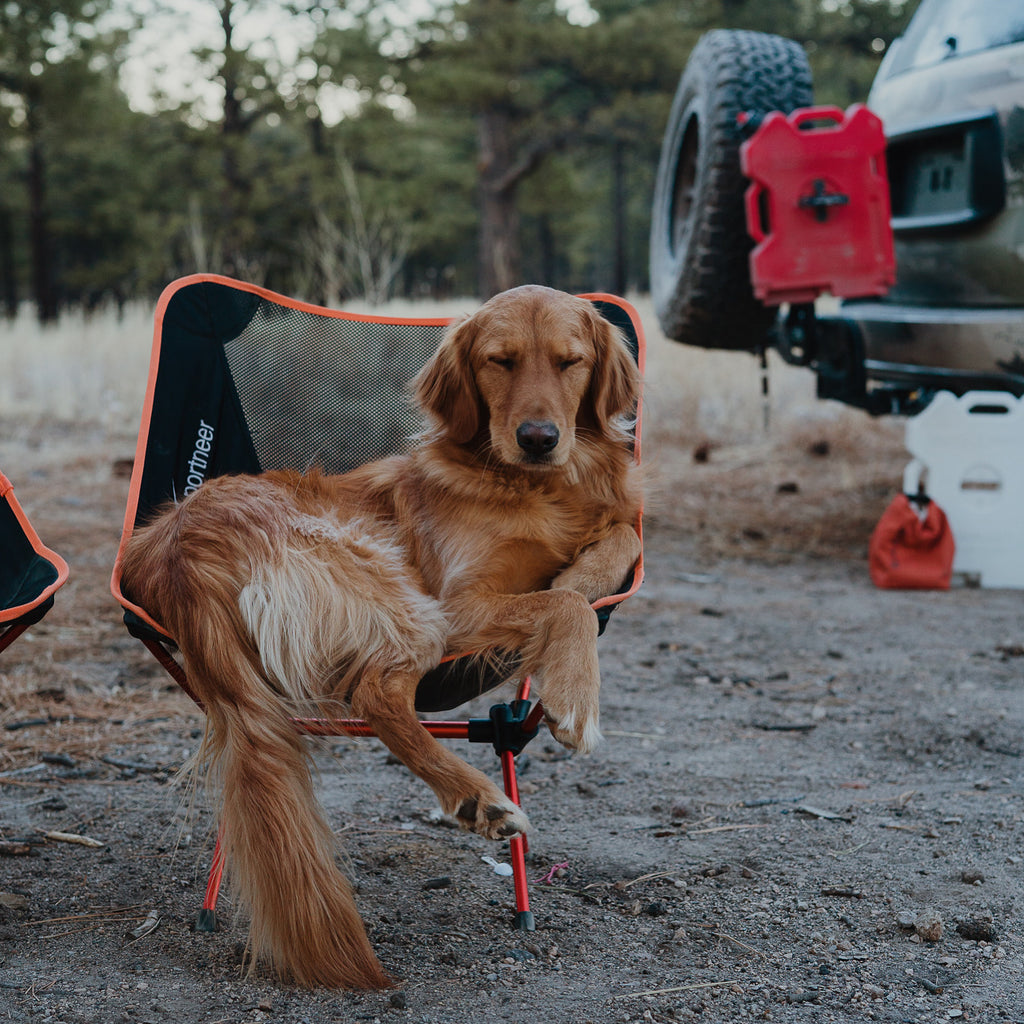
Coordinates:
x,y
503,361
572,361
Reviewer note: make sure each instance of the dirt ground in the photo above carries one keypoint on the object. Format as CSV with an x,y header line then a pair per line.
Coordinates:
x,y
808,806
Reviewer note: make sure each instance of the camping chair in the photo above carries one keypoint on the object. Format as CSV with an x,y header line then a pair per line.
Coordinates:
x,y
244,380
30,573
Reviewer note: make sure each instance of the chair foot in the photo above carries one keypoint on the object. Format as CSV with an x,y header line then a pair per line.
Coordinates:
x,y
524,921
206,920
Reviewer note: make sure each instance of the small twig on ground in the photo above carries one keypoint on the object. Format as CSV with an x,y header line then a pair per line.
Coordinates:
x,y
114,913
26,723
741,944
852,849
64,760
574,892
27,770
148,925
9,848
675,988
719,934
132,766
644,878
722,828
71,837
818,812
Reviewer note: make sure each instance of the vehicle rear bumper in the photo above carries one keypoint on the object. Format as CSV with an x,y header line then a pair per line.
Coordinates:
x,y
952,348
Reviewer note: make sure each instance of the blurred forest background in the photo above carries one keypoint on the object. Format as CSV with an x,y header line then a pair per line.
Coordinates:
x,y
333,149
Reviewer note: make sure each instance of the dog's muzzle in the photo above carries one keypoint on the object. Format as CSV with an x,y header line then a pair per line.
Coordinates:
x,y
537,439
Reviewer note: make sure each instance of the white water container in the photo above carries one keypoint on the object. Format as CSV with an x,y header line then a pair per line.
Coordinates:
x,y
969,457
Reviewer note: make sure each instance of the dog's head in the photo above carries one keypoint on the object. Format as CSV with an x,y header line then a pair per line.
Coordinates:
x,y
531,368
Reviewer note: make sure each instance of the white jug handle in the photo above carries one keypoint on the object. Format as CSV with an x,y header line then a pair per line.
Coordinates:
x,y
913,478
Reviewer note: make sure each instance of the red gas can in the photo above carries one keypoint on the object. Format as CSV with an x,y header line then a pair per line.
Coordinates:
x,y
818,205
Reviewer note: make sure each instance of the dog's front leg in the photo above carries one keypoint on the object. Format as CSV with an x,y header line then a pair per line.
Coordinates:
x,y
386,702
555,634
601,568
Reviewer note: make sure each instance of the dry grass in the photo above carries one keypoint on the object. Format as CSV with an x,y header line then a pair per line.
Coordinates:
x,y
75,721
86,369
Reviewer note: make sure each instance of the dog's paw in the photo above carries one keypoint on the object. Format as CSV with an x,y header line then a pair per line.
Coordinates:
x,y
491,815
574,731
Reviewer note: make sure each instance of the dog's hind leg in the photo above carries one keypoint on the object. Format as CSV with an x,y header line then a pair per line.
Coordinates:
x,y
386,701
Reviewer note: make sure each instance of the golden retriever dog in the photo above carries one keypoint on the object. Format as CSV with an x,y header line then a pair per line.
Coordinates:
x,y
295,594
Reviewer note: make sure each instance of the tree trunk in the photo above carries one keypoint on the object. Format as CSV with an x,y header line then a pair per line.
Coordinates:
x,y
619,217
499,258
548,260
43,290
8,279
237,187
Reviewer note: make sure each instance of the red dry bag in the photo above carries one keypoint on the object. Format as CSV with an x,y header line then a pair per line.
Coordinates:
x,y
911,550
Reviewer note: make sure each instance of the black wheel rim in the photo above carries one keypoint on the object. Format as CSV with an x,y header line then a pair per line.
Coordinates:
x,y
683,189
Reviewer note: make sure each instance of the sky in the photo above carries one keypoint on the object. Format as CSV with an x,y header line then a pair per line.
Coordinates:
x,y
161,57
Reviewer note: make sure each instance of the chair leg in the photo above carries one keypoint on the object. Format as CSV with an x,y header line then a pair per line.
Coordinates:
x,y
517,849
206,919
7,638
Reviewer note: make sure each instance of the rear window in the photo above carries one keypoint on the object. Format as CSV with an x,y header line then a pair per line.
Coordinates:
x,y
945,29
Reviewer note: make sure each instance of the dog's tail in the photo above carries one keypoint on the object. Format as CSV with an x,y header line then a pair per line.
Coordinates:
x,y
279,851
278,848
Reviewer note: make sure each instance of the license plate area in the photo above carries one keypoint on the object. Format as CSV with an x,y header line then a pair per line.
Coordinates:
x,y
946,175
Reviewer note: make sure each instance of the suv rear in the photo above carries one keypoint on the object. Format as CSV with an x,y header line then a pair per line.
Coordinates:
x,y
950,94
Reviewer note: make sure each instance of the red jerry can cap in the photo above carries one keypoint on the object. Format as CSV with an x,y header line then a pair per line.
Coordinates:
x,y
818,205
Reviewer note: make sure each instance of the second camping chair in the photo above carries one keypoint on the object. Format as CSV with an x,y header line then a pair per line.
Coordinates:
x,y
243,380
30,573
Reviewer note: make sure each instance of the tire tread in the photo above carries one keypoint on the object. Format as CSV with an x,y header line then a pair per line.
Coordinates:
x,y
703,295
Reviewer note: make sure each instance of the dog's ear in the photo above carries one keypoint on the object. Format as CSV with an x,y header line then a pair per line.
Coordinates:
x,y
615,379
446,389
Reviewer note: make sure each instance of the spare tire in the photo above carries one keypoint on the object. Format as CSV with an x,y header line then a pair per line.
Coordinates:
x,y
700,274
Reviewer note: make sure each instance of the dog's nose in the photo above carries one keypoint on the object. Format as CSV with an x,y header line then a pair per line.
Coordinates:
x,y
537,438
